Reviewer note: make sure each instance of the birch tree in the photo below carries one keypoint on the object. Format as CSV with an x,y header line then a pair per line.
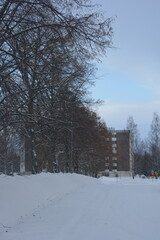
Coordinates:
x,y
154,142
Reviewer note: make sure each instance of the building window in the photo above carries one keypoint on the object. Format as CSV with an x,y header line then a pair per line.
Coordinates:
x,y
114,139
107,164
114,158
114,150
107,158
114,134
114,166
114,145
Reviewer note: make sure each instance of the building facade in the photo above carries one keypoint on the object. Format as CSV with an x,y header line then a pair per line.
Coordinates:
x,y
119,161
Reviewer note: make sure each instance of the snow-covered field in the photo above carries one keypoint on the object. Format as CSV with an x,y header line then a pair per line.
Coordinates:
x,y
75,207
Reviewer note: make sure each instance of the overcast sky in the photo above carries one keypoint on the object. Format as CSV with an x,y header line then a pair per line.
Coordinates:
x,y
129,77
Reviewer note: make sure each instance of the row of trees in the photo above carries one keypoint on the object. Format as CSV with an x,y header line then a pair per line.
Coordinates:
x,y
146,152
47,50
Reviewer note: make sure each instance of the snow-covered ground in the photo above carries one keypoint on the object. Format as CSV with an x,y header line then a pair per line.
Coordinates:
x,y
75,207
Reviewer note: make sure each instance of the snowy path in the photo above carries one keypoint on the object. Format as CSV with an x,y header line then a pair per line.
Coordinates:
x,y
116,211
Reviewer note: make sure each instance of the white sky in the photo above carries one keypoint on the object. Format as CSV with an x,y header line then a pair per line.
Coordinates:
x,y
129,76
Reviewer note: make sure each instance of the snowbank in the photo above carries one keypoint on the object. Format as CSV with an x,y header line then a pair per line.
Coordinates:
x,y
130,181
21,196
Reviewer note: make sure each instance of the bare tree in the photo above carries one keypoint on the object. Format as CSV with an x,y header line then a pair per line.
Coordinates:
x,y
154,142
135,144
46,50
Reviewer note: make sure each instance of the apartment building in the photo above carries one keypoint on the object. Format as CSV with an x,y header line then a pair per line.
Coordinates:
x,y
119,161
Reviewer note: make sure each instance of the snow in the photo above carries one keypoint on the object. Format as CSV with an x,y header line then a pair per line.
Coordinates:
x,y
76,207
